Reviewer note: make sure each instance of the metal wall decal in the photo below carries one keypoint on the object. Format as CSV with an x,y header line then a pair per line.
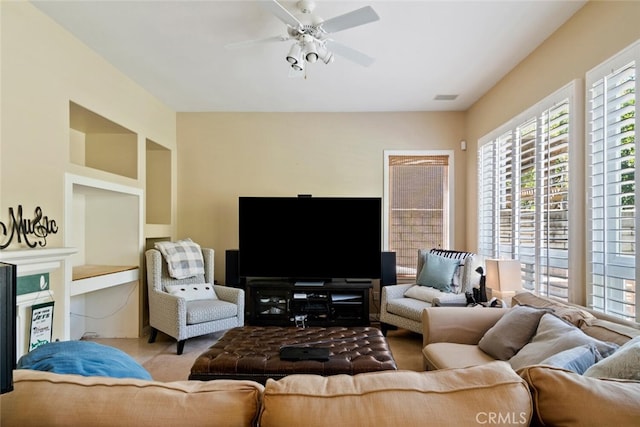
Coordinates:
x,y
33,231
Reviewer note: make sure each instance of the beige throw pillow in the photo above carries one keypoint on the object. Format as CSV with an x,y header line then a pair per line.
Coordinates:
x,y
511,332
192,292
563,398
623,364
553,336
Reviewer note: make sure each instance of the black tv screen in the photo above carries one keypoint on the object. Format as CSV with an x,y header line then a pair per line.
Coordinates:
x,y
310,238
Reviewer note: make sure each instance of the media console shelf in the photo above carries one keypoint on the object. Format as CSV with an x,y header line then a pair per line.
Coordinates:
x,y
284,303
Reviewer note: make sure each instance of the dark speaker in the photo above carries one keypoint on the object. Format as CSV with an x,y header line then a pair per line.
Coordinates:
x,y
7,326
388,269
232,269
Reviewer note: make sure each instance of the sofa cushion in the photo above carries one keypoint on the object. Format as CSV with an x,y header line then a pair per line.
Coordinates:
x,y
192,292
623,364
437,272
577,359
200,311
42,399
409,308
431,295
573,315
402,398
83,358
564,398
511,332
461,256
609,331
443,355
553,336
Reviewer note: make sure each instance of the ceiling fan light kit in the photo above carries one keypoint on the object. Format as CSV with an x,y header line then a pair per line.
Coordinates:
x,y
310,34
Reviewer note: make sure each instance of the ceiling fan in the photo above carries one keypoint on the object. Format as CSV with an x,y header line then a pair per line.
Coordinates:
x,y
310,34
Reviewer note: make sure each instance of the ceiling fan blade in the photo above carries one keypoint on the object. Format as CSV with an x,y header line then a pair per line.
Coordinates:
x,y
351,19
281,13
247,43
350,54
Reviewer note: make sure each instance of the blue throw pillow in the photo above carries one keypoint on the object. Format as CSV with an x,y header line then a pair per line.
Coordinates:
x,y
83,358
438,272
577,359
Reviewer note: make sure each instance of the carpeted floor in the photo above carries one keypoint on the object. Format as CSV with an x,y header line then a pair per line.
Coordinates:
x,y
162,362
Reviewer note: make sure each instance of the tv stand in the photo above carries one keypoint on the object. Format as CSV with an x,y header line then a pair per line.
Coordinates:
x,y
314,284
287,303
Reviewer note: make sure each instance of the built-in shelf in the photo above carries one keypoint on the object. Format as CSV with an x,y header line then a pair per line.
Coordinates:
x,y
99,143
105,223
158,183
90,278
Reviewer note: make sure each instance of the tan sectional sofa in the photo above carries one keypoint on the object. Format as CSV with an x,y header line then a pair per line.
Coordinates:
x,y
484,392
451,338
385,398
451,334
489,394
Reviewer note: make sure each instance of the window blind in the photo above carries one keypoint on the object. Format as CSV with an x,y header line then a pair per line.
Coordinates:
x,y
611,212
554,200
523,190
418,201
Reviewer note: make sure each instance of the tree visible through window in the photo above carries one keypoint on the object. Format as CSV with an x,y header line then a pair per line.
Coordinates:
x,y
417,205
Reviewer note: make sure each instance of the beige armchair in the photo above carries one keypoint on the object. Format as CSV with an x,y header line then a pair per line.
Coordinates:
x,y
402,305
182,319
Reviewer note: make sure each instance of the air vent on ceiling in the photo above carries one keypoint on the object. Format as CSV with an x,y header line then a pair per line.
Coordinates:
x,y
445,97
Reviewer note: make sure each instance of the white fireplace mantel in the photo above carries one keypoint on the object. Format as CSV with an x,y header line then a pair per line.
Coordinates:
x,y
34,261
29,262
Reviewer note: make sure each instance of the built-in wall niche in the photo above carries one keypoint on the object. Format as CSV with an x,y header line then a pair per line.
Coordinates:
x,y
106,226
158,184
99,143
104,222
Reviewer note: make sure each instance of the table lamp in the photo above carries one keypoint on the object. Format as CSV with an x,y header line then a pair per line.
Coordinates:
x,y
504,278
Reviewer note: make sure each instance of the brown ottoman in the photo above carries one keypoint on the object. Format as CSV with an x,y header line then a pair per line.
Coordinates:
x,y
253,353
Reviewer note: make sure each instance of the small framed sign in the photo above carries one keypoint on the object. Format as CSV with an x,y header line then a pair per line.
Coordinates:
x,y
41,324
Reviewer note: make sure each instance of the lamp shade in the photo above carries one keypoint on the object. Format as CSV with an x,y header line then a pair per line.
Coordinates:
x,y
503,275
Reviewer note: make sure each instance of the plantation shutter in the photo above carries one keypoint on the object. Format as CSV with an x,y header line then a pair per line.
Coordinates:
x,y
554,201
505,205
523,194
487,188
612,219
525,214
418,206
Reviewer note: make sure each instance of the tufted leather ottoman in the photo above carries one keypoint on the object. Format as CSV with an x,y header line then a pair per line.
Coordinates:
x,y
253,353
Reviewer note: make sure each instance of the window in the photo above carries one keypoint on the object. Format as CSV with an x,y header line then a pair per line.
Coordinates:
x,y
611,213
523,193
416,204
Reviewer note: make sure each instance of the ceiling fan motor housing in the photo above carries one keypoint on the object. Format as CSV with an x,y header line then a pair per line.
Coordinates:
x,y
311,33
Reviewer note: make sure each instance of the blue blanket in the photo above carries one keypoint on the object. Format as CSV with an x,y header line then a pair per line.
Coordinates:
x,y
83,358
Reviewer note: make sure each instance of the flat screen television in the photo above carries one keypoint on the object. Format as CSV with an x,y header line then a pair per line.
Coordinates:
x,y
7,326
310,238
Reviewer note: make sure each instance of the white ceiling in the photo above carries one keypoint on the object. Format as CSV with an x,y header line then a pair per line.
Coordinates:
x,y
176,51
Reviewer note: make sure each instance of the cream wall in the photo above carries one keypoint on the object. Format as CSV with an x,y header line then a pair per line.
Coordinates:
x,y
222,156
43,67
595,33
